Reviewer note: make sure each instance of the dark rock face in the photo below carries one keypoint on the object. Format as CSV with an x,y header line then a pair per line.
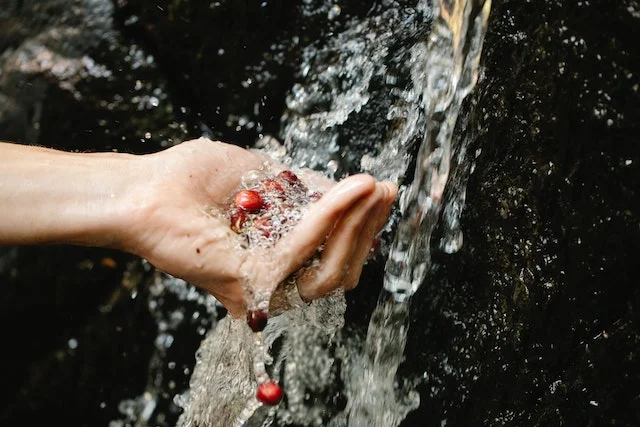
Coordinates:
x,y
69,80
533,322
44,44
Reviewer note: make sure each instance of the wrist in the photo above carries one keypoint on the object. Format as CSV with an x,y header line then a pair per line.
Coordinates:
x,y
50,196
120,205
100,201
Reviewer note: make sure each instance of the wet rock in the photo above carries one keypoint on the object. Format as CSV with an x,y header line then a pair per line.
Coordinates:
x,y
535,320
231,63
68,80
45,44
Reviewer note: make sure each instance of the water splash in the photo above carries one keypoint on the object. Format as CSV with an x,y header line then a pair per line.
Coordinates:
x,y
222,387
168,300
359,76
375,397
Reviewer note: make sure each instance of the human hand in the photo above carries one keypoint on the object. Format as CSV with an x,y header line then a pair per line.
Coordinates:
x,y
176,229
168,207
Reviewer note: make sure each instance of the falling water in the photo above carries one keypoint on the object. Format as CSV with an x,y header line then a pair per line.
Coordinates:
x,y
452,57
449,73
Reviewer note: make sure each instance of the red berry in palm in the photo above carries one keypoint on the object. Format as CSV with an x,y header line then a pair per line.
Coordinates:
x,y
269,393
257,320
249,200
272,185
289,176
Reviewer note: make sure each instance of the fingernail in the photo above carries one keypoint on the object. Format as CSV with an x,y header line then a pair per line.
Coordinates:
x,y
352,184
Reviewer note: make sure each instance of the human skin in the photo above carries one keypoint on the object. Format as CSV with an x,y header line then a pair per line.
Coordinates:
x,y
163,207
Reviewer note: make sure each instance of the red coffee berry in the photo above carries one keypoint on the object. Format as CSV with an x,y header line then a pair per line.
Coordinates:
x,y
238,219
272,185
257,320
289,176
269,393
249,200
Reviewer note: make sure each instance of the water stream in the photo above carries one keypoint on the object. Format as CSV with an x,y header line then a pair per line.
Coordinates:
x,y
450,59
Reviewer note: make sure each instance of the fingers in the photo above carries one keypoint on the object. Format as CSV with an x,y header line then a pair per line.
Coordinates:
x,y
348,245
339,249
301,243
374,225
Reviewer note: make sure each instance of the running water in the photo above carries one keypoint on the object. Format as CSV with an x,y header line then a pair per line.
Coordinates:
x,y
449,71
451,56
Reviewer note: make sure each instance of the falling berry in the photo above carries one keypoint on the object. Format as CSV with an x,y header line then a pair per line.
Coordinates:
x,y
375,244
257,320
249,200
269,393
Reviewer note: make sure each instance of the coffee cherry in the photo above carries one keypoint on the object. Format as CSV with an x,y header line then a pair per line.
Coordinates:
x,y
269,393
375,244
272,185
315,196
289,176
257,320
249,200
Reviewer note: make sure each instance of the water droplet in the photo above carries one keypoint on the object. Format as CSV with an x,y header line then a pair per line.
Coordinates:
x,y
334,12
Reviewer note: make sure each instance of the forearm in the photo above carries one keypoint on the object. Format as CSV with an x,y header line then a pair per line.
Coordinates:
x,y
50,196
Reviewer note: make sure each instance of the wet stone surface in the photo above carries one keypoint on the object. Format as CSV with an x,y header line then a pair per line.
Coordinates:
x,y
535,320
